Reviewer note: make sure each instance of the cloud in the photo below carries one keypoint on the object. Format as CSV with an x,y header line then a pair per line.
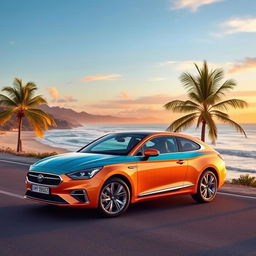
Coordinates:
x,y
243,93
231,67
66,99
100,77
55,95
140,107
157,99
125,95
239,25
157,79
193,5
245,64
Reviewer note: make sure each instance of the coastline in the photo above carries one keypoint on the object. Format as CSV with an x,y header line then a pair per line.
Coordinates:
x,y
29,143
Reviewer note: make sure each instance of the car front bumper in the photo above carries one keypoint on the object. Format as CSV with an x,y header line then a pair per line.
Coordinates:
x,y
75,193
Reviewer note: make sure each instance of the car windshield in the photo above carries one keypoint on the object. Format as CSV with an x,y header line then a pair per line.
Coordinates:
x,y
114,144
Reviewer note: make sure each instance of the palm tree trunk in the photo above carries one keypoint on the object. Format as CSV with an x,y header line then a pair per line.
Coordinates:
x,y
203,131
19,143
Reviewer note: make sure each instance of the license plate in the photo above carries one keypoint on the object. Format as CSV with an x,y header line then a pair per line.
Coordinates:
x,y
40,189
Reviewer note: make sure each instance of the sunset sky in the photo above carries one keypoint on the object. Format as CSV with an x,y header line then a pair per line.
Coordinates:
x,y
124,58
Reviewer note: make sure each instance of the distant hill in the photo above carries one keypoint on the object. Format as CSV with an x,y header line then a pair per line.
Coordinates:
x,y
12,124
67,118
81,118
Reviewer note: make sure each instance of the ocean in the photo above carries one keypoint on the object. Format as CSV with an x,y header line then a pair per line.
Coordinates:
x,y
239,152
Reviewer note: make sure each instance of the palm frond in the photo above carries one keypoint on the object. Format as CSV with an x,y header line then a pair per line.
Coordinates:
x,y
220,92
234,103
198,69
232,123
194,96
190,83
217,76
41,114
28,91
182,106
12,92
182,123
217,112
6,101
5,116
17,84
35,101
39,121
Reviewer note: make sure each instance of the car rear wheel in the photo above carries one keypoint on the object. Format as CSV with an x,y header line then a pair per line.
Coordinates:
x,y
207,187
114,198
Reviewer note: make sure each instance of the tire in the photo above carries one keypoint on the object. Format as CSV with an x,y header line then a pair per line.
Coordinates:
x,y
114,199
206,188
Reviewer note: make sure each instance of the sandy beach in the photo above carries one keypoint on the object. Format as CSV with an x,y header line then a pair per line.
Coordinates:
x,y
29,143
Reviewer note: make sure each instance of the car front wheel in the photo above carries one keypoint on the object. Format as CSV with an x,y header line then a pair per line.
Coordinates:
x,y
114,198
207,187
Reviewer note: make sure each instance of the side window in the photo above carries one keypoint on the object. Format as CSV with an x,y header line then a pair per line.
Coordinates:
x,y
188,145
164,144
172,144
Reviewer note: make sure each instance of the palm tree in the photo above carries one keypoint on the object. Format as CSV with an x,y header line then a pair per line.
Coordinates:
x,y
21,102
205,91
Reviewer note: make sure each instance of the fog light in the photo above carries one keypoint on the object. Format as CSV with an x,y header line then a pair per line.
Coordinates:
x,y
80,195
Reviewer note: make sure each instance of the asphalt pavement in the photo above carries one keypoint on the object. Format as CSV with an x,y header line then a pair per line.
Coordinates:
x,y
171,226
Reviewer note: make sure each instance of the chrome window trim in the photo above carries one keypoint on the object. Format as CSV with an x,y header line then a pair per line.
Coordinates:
x,y
164,190
201,146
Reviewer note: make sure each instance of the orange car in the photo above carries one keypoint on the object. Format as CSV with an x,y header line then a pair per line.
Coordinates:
x,y
127,167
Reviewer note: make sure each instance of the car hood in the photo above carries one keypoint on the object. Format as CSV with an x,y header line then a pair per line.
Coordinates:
x,y
69,162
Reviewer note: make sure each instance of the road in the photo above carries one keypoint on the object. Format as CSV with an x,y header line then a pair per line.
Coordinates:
x,y
173,226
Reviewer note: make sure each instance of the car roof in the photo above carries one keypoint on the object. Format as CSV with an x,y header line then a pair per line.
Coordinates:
x,y
149,133
146,133
135,132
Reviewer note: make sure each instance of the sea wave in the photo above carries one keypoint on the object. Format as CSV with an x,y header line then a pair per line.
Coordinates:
x,y
236,152
236,169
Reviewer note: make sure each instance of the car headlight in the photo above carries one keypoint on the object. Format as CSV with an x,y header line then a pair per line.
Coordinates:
x,y
84,174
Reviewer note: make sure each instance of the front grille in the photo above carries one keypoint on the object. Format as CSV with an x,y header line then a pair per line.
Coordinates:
x,y
46,198
44,178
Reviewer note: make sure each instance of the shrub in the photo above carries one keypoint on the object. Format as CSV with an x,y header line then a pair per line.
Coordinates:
x,y
245,180
27,154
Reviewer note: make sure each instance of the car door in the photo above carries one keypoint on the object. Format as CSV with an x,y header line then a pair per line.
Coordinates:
x,y
162,173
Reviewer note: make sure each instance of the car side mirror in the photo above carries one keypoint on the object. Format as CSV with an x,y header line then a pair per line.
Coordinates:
x,y
151,152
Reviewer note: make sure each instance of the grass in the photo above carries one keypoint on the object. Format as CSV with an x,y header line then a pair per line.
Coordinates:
x,y
27,154
246,180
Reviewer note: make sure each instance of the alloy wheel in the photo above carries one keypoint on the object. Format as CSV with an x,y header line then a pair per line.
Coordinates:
x,y
208,186
113,198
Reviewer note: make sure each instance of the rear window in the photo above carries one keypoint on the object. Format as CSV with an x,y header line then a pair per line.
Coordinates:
x,y
187,145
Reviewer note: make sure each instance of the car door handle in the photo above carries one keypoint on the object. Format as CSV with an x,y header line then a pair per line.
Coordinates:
x,y
180,162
